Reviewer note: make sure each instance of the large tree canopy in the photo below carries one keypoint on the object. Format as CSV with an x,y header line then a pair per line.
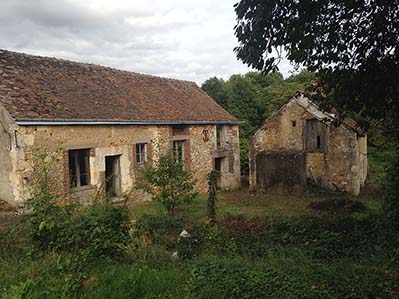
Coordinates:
x,y
352,44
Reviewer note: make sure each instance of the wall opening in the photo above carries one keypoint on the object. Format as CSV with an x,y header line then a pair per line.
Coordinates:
x,y
180,130
141,153
79,167
178,150
113,176
220,136
315,136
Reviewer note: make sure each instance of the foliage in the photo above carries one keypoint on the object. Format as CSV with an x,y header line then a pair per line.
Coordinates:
x,y
122,280
391,191
286,273
324,255
353,45
94,231
253,97
56,223
160,230
44,196
212,182
167,182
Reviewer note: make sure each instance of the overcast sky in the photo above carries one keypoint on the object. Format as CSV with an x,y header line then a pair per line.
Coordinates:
x,y
184,39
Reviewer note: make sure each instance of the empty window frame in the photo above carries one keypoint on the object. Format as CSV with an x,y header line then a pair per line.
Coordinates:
x,y
178,150
141,152
79,167
315,138
179,130
220,138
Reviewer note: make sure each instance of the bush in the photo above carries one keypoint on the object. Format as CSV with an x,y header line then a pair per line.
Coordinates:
x,y
96,231
56,223
168,183
160,230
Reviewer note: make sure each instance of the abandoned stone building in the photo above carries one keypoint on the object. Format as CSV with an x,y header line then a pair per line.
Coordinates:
x,y
108,122
300,141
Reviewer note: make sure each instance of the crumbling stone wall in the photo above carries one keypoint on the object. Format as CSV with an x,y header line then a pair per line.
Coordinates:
x,y
341,165
107,140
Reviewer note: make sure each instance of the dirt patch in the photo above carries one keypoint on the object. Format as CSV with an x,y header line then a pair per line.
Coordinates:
x,y
338,205
242,224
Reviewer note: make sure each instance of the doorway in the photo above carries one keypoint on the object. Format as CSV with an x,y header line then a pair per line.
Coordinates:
x,y
218,167
112,176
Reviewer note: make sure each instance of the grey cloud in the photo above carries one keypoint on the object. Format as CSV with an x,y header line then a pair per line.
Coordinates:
x,y
184,39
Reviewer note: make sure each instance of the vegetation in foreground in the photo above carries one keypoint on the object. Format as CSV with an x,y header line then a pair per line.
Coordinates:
x,y
258,247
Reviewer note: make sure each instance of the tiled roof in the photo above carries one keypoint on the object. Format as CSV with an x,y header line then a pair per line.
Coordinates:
x,y
34,88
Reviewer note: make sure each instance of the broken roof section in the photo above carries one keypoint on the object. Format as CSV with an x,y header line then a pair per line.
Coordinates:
x,y
43,90
324,116
319,114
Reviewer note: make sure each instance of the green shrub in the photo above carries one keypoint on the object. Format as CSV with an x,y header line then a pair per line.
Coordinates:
x,y
167,182
160,230
96,230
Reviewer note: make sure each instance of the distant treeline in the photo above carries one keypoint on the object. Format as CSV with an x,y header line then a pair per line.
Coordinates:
x,y
253,97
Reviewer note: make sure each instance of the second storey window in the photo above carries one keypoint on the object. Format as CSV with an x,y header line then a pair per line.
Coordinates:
x,y
315,136
141,152
220,138
178,150
79,167
179,130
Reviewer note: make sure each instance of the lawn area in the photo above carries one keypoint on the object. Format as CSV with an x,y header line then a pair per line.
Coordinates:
x,y
262,246
251,205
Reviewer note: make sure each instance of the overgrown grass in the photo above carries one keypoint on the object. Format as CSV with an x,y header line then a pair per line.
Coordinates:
x,y
261,247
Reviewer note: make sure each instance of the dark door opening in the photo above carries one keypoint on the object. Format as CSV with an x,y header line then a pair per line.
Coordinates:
x,y
113,176
218,167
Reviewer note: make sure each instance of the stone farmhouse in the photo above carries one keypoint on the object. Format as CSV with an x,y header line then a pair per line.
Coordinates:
x,y
333,156
108,122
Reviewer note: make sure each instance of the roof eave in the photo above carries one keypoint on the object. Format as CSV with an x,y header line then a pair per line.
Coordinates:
x,y
90,122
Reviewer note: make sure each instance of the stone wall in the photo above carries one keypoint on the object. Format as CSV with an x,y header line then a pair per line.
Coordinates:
x,y
341,165
105,140
7,145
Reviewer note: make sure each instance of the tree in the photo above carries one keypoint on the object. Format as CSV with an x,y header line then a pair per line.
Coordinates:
x,y
353,45
216,89
167,182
